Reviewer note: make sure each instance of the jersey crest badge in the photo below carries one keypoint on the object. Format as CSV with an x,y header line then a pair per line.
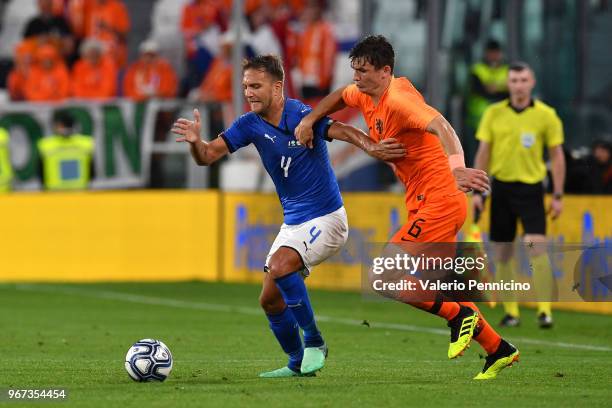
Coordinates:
x,y
527,139
379,126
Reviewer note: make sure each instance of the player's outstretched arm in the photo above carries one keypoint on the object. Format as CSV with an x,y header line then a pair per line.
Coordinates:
x,y
203,153
387,150
328,105
467,179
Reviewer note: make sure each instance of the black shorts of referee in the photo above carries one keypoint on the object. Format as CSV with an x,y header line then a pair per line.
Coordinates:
x,y
513,201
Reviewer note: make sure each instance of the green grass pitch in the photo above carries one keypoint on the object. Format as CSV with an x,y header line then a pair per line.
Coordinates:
x,y
76,337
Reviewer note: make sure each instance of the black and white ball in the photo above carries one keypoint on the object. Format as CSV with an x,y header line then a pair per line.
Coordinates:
x,y
148,360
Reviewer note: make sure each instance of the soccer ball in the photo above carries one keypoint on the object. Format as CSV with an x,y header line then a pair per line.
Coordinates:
x,y
148,360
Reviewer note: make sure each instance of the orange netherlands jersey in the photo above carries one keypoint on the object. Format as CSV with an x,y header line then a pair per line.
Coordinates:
x,y
108,18
147,80
196,17
78,13
91,81
217,83
48,85
110,23
16,83
316,53
402,113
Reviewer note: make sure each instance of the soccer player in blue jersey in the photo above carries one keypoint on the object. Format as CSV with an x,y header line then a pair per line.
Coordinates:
x,y
315,225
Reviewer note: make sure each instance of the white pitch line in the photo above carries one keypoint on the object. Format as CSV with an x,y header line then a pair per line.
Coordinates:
x,y
219,307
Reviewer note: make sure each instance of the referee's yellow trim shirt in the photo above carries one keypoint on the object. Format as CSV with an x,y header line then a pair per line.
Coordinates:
x,y
518,138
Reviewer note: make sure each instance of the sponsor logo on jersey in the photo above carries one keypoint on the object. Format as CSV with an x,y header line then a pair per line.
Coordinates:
x,y
293,144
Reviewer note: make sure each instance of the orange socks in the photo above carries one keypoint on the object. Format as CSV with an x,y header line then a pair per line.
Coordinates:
x,y
484,334
446,310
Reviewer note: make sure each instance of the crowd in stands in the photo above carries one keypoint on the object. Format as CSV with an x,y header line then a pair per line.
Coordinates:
x,y
72,48
78,49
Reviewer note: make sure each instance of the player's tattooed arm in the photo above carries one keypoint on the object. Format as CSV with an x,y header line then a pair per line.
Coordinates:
x,y
204,153
467,179
387,150
328,105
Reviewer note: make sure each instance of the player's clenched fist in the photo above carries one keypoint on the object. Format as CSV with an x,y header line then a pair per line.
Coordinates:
x,y
387,150
471,179
189,130
303,133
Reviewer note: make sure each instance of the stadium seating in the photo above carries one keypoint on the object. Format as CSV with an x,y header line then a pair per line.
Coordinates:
x,y
16,15
165,30
398,21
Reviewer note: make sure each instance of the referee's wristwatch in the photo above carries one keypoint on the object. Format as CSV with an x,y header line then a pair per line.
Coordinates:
x,y
558,196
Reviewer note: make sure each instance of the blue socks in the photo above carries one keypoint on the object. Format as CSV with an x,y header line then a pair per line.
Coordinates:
x,y
294,293
286,330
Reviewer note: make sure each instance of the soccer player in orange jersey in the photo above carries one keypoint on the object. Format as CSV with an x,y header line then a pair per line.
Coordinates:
x,y
433,172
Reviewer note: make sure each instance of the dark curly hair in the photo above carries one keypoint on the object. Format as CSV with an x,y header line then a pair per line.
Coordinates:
x,y
374,49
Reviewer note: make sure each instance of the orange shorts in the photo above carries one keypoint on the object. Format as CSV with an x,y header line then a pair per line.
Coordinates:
x,y
437,221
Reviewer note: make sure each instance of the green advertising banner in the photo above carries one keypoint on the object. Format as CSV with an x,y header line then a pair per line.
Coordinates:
x,y
116,127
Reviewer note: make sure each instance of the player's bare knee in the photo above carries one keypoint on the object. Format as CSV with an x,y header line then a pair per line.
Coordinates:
x,y
271,305
274,269
277,268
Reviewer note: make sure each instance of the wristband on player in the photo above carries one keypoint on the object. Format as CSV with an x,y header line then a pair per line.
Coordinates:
x,y
558,196
456,160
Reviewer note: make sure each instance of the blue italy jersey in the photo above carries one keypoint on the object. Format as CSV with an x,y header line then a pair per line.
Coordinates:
x,y
304,180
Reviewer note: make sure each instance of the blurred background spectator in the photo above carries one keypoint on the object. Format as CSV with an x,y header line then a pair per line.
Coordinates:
x,y
446,48
78,14
601,161
201,31
48,78
284,16
217,84
108,21
94,75
487,84
488,81
314,49
151,76
17,78
50,28
592,173
261,36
